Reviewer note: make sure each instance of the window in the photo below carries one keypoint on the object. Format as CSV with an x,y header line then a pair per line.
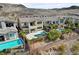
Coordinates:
x,y
42,16
32,30
35,16
48,22
2,38
57,22
64,17
32,23
53,22
39,27
27,16
1,6
9,24
61,20
0,25
39,22
25,25
11,34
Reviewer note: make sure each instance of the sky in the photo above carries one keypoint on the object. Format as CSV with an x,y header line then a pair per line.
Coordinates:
x,y
44,4
49,5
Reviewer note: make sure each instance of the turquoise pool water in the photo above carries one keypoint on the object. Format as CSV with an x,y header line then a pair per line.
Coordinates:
x,y
11,44
60,30
41,34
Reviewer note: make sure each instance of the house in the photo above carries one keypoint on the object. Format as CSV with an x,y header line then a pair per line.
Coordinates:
x,y
8,34
31,23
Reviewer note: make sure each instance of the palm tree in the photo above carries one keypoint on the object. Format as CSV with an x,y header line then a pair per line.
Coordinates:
x,y
23,36
21,33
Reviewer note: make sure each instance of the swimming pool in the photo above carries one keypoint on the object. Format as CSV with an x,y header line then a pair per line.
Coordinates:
x,y
60,30
41,34
36,35
11,44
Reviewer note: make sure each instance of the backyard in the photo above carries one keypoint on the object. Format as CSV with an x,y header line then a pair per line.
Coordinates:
x,y
59,40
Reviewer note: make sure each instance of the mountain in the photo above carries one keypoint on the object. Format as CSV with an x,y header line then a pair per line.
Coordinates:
x,y
7,9
71,7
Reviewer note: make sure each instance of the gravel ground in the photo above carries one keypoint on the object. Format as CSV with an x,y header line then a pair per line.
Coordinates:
x,y
69,42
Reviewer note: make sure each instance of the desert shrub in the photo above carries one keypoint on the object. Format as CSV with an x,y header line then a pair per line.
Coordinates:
x,y
66,31
61,49
75,48
53,35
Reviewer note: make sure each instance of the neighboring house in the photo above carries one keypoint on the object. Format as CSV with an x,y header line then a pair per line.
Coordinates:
x,y
8,33
33,23
8,28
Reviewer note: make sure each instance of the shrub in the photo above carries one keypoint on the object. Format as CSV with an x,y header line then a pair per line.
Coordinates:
x,y
61,49
77,25
54,34
70,24
54,26
75,48
66,31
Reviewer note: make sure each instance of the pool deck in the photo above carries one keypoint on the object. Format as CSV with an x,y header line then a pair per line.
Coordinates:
x,y
32,36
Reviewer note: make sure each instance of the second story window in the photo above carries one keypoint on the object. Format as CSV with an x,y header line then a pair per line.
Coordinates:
x,y
40,22
9,24
25,25
48,22
53,22
57,22
0,25
32,23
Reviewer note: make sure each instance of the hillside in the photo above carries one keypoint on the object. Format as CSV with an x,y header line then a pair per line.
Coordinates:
x,y
19,9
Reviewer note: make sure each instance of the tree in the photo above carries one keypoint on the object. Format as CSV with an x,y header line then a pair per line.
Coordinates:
x,y
69,23
19,25
66,31
53,26
23,35
53,35
72,26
